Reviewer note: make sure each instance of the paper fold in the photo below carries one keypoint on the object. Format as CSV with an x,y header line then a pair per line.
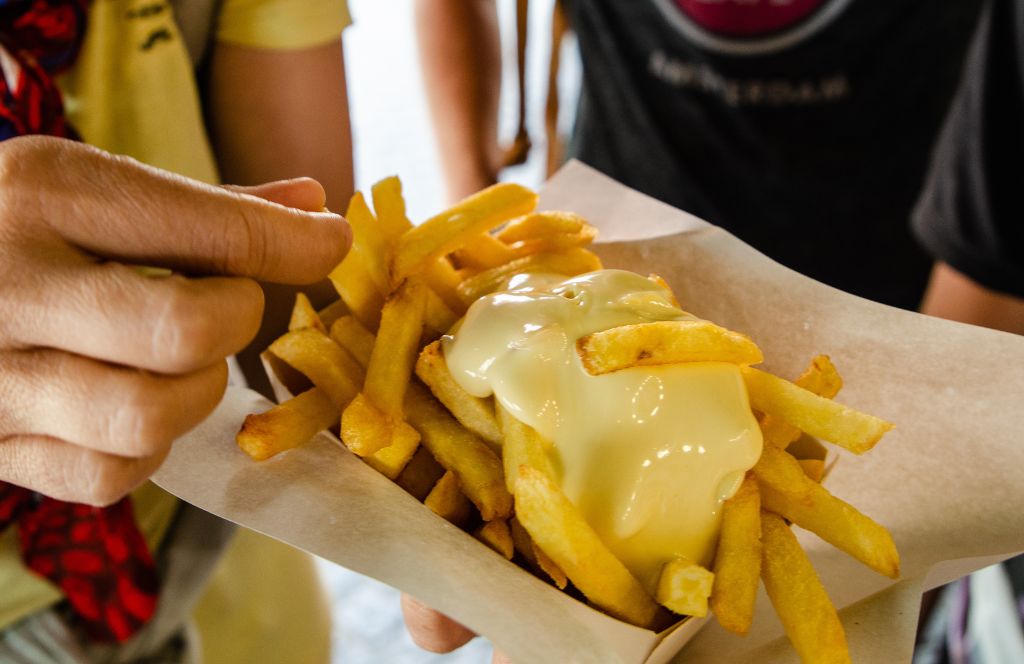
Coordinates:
x,y
945,482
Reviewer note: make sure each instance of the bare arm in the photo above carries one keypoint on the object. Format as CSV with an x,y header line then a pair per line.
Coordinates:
x,y
954,296
460,51
276,115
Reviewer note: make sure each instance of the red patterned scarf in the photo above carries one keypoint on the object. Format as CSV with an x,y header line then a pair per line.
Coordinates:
x,y
96,556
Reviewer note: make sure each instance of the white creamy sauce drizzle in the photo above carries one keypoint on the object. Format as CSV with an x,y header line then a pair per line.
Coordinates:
x,y
647,454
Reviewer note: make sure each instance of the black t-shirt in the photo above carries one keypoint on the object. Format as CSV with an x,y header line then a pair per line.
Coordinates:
x,y
971,213
804,127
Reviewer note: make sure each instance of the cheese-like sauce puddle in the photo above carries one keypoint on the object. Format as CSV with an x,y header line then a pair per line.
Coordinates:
x,y
647,454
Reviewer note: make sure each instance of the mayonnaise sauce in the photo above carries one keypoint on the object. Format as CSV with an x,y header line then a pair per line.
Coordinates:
x,y
647,454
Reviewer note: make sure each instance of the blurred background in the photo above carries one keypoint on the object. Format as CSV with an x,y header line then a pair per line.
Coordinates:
x,y
393,136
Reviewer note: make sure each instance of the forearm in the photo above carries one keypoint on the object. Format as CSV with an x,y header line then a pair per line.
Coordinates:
x,y
460,52
954,296
276,115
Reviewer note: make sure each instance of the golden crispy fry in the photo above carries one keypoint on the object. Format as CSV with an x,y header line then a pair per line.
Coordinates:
x,y
350,334
558,528
420,474
454,227
368,241
389,205
813,468
364,428
738,559
322,361
287,425
534,555
352,281
684,587
540,224
474,413
304,315
438,318
570,263
391,460
804,608
447,500
664,284
788,492
395,349
443,279
522,445
458,450
817,416
664,342
553,243
496,535
483,252
819,377
332,312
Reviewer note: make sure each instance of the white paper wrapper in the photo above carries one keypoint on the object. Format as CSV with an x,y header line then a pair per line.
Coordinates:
x,y
945,482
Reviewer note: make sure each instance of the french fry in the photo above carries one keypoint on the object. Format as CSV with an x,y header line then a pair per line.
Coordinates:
x,y
421,474
684,587
332,312
553,243
304,315
483,252
443,279
569,263
817,416
386,443
534,555
438,318
395,349
322,361
350,334
813,468
821,378
287,425
477,467
368,241
454,227
806,612
474,413
664,342
788,492
522,445
562,532
541,224
496,535
389,205
447,500
738,559
352,281
391,461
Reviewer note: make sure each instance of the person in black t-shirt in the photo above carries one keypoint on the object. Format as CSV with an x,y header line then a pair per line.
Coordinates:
x,y
814,130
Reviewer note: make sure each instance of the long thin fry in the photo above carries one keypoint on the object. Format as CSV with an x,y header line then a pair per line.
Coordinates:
x,y
287,425
368,241
569,263
322,361
664,342
562,532
395,349
474,413
820,417
786,490
458,450
454,227
806,612
738,559
447,500
534,555
522,445
389,205
821,378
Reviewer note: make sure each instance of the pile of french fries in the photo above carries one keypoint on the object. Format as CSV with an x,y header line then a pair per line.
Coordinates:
x,y
370,367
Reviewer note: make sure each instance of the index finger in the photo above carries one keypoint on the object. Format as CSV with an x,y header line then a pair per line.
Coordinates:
x,y
118,208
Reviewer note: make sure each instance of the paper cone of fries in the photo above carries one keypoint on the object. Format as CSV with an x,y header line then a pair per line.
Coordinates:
x,y
945,482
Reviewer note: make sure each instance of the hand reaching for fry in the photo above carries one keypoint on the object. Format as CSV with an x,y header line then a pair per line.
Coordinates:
x,y
103,364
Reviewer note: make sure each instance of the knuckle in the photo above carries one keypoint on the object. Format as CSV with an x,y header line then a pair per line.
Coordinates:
x,y
139,426
105,480
246,250
185,332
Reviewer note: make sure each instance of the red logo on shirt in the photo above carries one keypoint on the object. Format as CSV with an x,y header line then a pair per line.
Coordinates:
x,y
747,18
